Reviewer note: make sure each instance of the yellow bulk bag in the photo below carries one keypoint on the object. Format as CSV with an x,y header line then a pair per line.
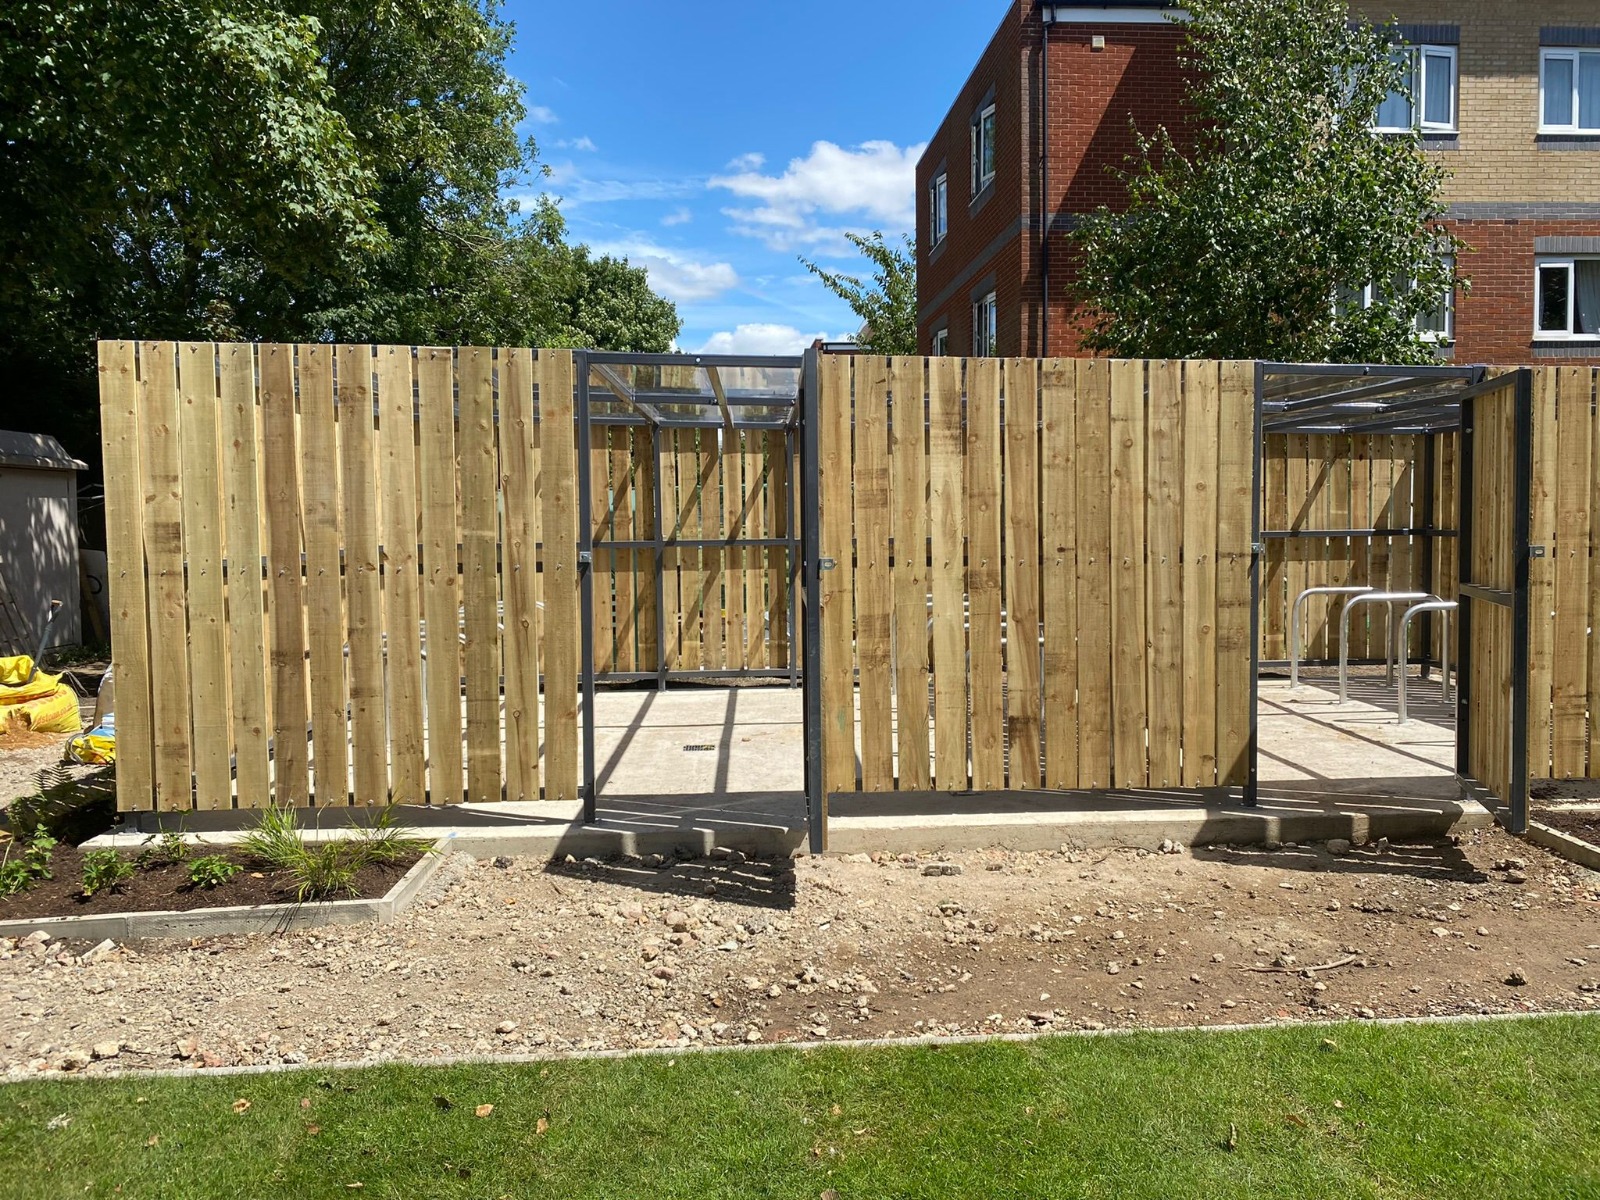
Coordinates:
x,y
14,669
53,713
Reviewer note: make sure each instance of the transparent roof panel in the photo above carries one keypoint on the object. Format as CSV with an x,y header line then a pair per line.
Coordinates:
x,y
666,394
1321,398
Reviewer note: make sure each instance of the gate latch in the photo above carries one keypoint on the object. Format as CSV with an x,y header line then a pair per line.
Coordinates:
x,y
1535,551
826,564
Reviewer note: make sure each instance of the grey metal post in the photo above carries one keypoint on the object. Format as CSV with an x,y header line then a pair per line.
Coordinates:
x,y
661,561
810,498
793,553
586,583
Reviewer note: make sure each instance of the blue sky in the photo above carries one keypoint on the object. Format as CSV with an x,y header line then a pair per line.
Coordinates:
x,y
714,142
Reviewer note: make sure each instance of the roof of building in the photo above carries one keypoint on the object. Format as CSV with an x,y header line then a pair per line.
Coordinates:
x,y
37,450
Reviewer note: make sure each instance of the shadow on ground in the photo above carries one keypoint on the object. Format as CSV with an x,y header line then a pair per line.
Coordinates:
x,y
758,883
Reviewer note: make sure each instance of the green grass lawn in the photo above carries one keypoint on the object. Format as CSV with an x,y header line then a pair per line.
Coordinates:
x,y
1498,1110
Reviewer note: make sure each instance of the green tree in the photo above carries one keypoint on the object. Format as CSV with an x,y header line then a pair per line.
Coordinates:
x,y
607,302
1259,241
887,304
145,153
274,169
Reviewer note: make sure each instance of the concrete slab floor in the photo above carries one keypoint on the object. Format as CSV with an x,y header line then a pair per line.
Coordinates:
x,y
698,767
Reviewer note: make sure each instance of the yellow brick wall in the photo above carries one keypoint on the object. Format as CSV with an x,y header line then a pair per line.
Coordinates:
x,y
1500,160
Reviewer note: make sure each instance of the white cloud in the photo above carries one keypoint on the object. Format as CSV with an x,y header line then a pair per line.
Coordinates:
x,y
748,162
567,180
542,115
761,339
584,144
872,185
674,274
678,216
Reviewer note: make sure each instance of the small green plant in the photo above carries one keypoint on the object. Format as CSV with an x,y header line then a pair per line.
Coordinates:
x,y
20,875
37,856
277,841
163,849
105,870
15,877
325,868
212,871
329,869
385,841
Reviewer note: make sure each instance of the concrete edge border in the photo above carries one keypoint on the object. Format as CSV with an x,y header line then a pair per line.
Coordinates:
x,y
1574,850
971,1039
242,919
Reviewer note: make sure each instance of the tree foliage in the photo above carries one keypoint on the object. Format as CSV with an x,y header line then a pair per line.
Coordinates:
x,y
275,169
887,304
1244,245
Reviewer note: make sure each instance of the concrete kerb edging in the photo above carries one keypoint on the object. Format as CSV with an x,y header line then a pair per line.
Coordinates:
x,y
529,1058
242,919
1564,845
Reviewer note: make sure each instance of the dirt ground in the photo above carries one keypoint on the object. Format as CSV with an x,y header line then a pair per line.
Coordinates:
x,y
509,955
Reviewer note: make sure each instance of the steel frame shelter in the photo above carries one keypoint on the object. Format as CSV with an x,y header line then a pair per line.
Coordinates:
x,y
1324,398
1314,398
717,407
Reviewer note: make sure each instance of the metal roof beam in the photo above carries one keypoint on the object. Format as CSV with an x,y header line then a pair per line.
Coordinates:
x,y
619,388
722,401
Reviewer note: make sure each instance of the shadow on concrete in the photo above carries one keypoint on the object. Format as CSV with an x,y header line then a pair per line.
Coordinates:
x,y
756,883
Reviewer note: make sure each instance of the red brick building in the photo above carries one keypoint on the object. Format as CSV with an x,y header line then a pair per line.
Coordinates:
x,y
1507,94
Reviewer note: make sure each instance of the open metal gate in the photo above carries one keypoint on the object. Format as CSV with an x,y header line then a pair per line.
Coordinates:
x,y
685,472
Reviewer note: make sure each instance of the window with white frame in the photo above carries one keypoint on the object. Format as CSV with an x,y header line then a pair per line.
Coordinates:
x,y
1566,301
984,327
1426,97
983,149
1434,324
938,208
1569,91
941,343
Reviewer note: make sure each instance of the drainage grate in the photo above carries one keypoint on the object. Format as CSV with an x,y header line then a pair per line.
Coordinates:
x,y
701,746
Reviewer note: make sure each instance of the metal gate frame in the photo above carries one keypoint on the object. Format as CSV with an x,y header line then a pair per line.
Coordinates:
x,y
1471,594
1405,399
811,574
720,416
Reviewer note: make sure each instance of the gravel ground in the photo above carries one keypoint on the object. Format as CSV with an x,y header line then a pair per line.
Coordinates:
x,y
510,955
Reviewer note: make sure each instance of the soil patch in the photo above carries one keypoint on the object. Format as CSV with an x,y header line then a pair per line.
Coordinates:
x,y
516,954
1580,823
165,887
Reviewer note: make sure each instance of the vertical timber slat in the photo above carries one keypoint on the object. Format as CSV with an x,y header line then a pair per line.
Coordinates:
x,y
125,573
287,595
202,547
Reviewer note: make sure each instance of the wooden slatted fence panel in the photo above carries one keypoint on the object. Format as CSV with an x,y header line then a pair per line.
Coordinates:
x,y
283,520
1088,550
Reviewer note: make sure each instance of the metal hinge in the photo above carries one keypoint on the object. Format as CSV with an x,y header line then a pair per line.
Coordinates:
x,y
586,557
1535,551
826,564
1258,548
